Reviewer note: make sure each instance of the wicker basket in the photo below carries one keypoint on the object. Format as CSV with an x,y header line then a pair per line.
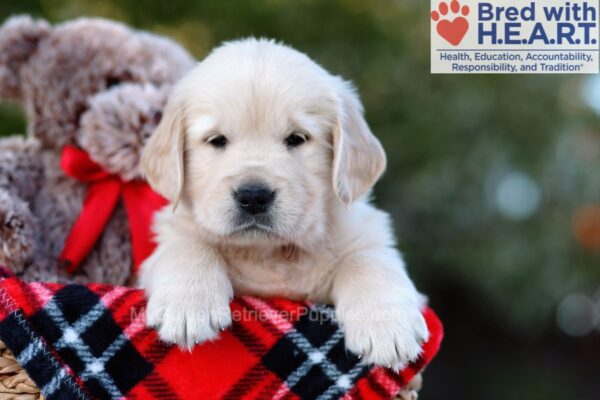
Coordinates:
x,y
15,384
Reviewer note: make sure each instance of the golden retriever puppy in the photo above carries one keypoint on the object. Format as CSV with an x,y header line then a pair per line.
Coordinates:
x,y
268,162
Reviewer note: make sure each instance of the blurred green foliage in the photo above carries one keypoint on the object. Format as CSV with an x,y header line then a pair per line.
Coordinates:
x,y
452,140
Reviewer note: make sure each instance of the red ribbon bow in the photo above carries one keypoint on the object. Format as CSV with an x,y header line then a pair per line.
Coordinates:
x,y
105,190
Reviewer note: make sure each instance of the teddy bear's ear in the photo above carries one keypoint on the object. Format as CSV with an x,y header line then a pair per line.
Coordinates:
x,y
19,38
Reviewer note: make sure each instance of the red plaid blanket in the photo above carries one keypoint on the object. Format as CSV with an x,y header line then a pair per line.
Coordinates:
x,y
83,342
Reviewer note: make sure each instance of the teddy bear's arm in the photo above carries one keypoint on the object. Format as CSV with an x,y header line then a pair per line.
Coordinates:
x,y
21,170
17,232
20,178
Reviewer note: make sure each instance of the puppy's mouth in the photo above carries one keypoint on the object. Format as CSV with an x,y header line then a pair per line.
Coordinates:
x,y
254,225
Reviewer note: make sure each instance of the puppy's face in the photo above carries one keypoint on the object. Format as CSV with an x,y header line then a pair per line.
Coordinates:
x,y
257,141
257,165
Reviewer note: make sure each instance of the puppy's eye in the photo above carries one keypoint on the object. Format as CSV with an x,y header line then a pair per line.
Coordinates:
x,y
218,141
295,140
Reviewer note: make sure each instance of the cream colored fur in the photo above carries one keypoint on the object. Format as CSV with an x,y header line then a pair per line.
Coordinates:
x,y
326,242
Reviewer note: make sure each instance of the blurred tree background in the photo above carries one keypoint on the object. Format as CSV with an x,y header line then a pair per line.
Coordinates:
x,y
493,180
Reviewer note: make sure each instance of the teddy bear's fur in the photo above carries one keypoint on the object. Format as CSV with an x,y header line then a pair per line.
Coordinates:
x,y
92,83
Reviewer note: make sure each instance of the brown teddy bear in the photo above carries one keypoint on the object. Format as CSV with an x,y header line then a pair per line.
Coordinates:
x,y
87,84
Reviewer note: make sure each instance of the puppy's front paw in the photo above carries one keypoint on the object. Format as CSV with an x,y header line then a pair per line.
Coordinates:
x,y
389,334
188,317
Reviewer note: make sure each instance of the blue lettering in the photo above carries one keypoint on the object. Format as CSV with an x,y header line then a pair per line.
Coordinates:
x,y
553,13
538,33
486,12
587,32
492,33
565,32
510,33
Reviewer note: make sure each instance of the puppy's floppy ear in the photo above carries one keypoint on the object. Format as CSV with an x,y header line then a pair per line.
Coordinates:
x,y
162,158
358,157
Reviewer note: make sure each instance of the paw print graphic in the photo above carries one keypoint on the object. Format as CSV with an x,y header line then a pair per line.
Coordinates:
x,y
452,30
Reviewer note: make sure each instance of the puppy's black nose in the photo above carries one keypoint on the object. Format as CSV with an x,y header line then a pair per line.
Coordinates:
x,y
254,198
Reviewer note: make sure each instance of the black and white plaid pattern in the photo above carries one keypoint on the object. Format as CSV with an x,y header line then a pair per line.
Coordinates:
x,y
84,342
88,339
312,359
42,367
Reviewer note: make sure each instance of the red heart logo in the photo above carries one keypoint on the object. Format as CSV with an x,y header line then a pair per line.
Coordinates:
x,y
453,31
